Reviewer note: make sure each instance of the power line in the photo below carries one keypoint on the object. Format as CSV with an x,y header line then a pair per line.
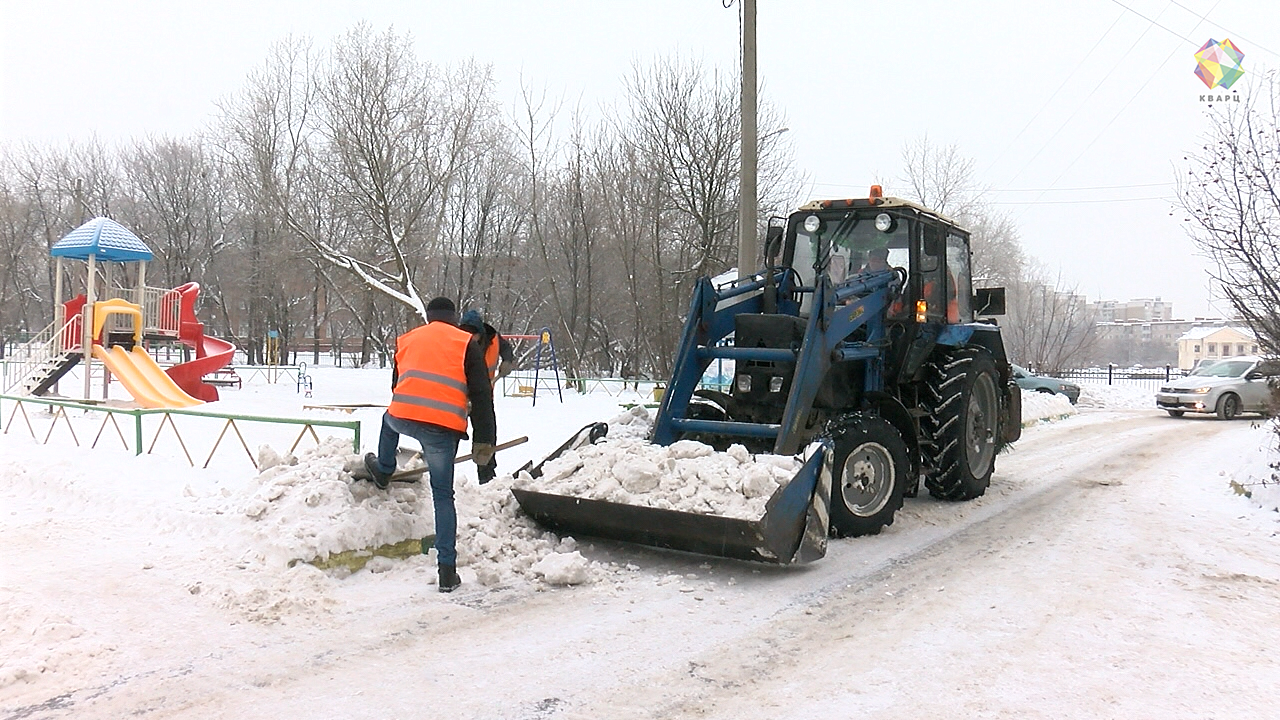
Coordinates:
x,y
1205,18
1004,190
1153,22
1094,187
1055,92
1079,107
1082,202
1132,97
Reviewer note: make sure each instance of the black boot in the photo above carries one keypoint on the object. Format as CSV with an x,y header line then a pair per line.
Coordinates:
x,y
449,580
381,479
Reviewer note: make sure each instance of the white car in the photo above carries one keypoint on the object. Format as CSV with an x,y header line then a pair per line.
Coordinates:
x,y
1226,388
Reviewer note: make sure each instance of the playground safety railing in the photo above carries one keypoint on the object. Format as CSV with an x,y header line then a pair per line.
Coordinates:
x,y
28,356
71,417
161,307
270,374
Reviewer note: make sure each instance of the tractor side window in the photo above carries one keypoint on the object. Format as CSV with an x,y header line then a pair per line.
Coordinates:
x,y
959,283
933,272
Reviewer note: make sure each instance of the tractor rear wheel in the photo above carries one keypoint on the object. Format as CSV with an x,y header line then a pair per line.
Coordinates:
x,y
963,422
870,474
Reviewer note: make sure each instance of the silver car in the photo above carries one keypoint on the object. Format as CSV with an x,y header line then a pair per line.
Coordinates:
x,y
1226,388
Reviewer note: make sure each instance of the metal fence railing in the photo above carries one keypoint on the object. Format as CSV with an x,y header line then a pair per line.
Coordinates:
x,y
162,431
1151,378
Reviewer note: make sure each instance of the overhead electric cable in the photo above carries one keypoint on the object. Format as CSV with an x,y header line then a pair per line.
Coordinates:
x,y
1079,107
1009,145
1132,97
1153,22
1082,202
1236,35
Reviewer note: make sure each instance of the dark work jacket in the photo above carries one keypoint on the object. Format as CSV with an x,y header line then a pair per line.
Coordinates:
x,y
479,393
505,351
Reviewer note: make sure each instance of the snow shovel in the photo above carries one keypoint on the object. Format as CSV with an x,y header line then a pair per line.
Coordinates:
x,y
413,475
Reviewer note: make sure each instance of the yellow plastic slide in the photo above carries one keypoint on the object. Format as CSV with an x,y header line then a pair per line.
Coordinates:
x,y
143,378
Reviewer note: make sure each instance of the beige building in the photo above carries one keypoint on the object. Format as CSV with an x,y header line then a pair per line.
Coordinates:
x,y
1215,343
1138,309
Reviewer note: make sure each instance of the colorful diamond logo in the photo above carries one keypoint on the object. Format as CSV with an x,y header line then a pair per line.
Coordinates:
x,y
1218,64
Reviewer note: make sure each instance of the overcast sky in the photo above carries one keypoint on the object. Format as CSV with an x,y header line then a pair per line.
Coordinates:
x,y
1077,114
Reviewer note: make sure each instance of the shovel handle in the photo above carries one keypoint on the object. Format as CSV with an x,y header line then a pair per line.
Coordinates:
x,y
413,475
503,446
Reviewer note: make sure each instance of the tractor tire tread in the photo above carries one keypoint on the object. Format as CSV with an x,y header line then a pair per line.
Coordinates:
x,y
947,378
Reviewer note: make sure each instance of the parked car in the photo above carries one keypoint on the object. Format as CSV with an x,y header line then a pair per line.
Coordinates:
x,y
1226,388
1030,381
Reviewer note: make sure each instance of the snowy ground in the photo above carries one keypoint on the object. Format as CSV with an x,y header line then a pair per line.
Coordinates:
x,y
1111,571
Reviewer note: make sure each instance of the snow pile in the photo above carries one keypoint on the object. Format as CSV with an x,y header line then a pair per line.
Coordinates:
x,y
1259,474
635,423
502,544
687,476
563,568
310,507
1116,397
1038,407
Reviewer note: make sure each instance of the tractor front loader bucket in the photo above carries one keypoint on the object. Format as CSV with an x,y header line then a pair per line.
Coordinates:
x,y
792,530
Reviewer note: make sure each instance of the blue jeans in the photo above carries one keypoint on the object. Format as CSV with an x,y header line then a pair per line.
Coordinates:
x,y
438,450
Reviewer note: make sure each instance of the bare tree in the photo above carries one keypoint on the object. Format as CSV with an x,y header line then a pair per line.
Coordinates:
x,y
179,205
23,292
1050,326
339,188
684,121
941,179
998,257
944,181
393,133
1231,194
357,153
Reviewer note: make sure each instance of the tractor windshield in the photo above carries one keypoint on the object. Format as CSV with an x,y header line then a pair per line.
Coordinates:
x,y
856,246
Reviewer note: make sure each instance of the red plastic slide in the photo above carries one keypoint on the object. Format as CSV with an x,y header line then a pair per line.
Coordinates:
x,y
212,354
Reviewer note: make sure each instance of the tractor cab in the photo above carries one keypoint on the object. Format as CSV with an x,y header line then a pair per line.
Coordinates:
x,y
849,240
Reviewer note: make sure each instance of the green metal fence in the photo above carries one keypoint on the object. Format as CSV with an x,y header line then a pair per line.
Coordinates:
x,y
184,426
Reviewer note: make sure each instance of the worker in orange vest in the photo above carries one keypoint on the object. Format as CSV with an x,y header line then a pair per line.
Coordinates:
x,y
498,355
439,380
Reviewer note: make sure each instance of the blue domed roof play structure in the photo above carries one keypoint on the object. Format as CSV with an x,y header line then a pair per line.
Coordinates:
x,y
104,238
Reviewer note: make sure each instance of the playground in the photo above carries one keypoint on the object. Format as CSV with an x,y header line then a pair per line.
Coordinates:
x,y
116,327
126,365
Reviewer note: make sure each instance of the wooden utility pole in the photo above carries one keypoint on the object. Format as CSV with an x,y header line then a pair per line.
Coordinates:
x,y
748,244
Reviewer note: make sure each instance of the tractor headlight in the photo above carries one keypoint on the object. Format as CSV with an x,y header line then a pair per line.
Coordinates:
x,y
812,224
775,384
884,222
744,383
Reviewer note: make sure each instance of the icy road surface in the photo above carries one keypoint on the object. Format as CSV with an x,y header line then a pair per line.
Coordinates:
x,y
1108,572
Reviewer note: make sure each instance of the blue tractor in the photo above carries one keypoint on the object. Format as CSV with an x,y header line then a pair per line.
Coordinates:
x,y
858,345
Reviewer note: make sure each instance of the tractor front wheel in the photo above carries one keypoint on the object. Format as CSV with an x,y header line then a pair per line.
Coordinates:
x,y
963,423
871,473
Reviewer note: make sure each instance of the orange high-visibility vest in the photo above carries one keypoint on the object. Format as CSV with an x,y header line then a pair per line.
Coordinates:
x,y
491,358
432,384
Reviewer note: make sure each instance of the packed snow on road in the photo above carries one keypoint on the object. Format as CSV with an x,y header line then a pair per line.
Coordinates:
x,y
1122,564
